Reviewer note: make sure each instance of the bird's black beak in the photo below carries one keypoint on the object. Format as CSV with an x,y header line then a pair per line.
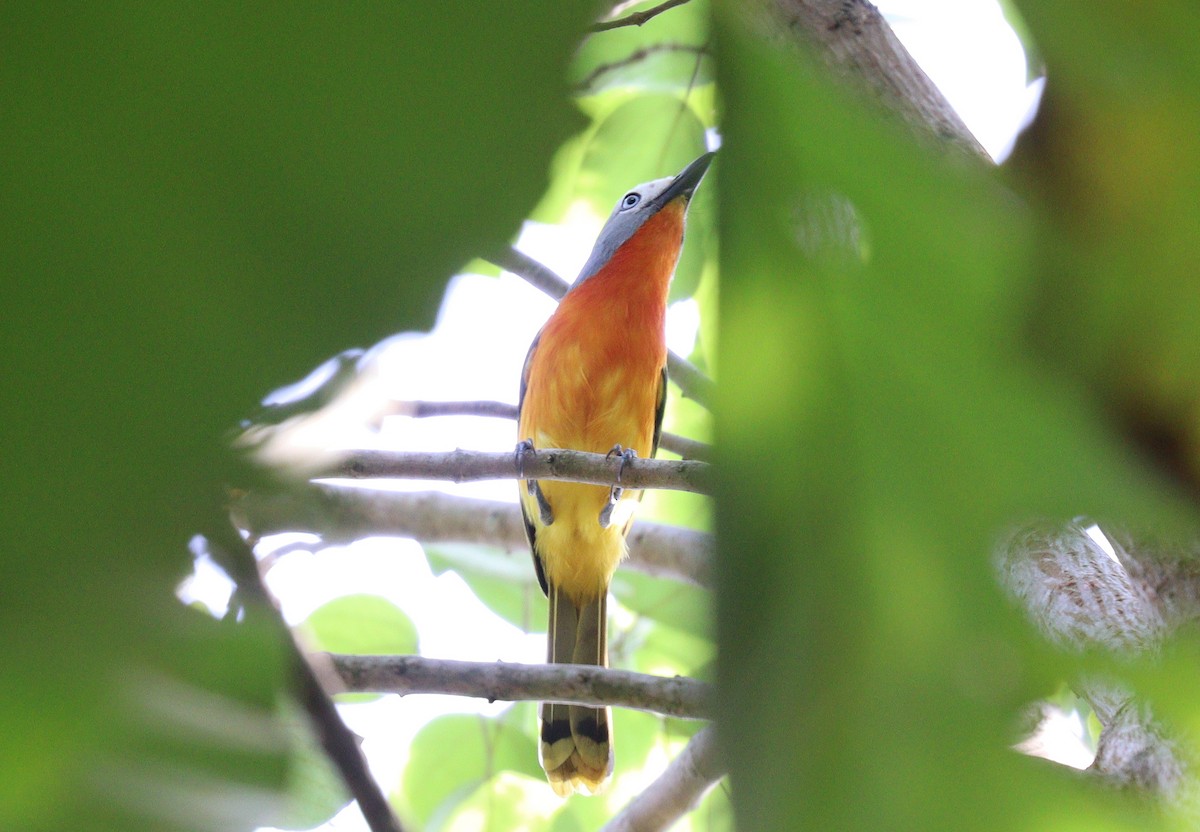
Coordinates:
x,y
685,184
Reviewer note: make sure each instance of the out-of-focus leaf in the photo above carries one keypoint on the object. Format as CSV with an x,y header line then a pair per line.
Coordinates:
x,y
715,812
192,735
506,800
881,422
635,733
363,624
668,53
315,790
685,607
666,651
706,294
483,267
504,581
1035,62
205,202
1114,163
631,141
700,240
454,754
681,508
647,137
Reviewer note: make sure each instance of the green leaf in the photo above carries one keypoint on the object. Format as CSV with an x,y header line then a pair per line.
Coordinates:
x,y
212,200
669,53
363,624
1118,172
882,422
504,581
647,137
683,606
316,791
715,812
453,755
483,267
666,651
635,734
505,801
191,736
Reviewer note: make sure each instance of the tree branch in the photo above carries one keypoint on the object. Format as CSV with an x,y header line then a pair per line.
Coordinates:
x,y
339,742
677,791
636,18
853,39
542,464
694,384
342,515
673,442
576,684
1132,750
1082,598
531,271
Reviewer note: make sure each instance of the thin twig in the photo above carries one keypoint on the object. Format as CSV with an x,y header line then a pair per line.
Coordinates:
x,y
338,741
676,791
673,442
576,684
637,56
541,464
635,18
342,515
694,384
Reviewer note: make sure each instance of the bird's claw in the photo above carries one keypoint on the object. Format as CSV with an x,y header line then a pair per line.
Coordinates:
x,y
535,490
523,447
615,492
626,454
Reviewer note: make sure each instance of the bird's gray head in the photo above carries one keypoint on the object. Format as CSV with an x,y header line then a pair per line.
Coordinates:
x,y
638,205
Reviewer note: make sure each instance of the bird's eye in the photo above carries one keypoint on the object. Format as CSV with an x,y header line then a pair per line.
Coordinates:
x,y
630,200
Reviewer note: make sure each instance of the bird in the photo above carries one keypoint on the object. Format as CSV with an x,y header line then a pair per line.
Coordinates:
x,y
595,379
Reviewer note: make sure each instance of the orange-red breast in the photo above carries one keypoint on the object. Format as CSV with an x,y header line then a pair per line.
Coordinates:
x,y
595,380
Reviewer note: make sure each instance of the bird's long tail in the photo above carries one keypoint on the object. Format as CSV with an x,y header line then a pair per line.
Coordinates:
x,y
576,741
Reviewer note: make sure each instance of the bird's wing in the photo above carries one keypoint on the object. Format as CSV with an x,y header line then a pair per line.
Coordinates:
x,y
530,529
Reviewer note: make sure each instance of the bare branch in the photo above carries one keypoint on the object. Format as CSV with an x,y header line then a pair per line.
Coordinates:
x,y
673,442
677,791
339,742
542,464
637,56
343,515
531,271
694,384
425,409
853,39
1083,598
1132,750
577,684
636,18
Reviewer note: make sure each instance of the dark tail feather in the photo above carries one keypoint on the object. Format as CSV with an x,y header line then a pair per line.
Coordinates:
x,y
576,741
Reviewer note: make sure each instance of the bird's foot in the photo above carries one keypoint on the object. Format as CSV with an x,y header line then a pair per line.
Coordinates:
x,y
523,447
535,490
615,493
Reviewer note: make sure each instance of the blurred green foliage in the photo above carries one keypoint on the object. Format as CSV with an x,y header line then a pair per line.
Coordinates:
x,y
200,203
887,411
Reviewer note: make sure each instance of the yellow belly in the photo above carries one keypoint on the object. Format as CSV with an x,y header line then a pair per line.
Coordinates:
x,y
579,555
587,392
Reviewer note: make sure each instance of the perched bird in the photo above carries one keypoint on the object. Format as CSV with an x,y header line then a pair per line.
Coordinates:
x,y
595,380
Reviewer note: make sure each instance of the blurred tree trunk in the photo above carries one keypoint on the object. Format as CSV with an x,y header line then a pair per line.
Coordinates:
x,y
852,38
